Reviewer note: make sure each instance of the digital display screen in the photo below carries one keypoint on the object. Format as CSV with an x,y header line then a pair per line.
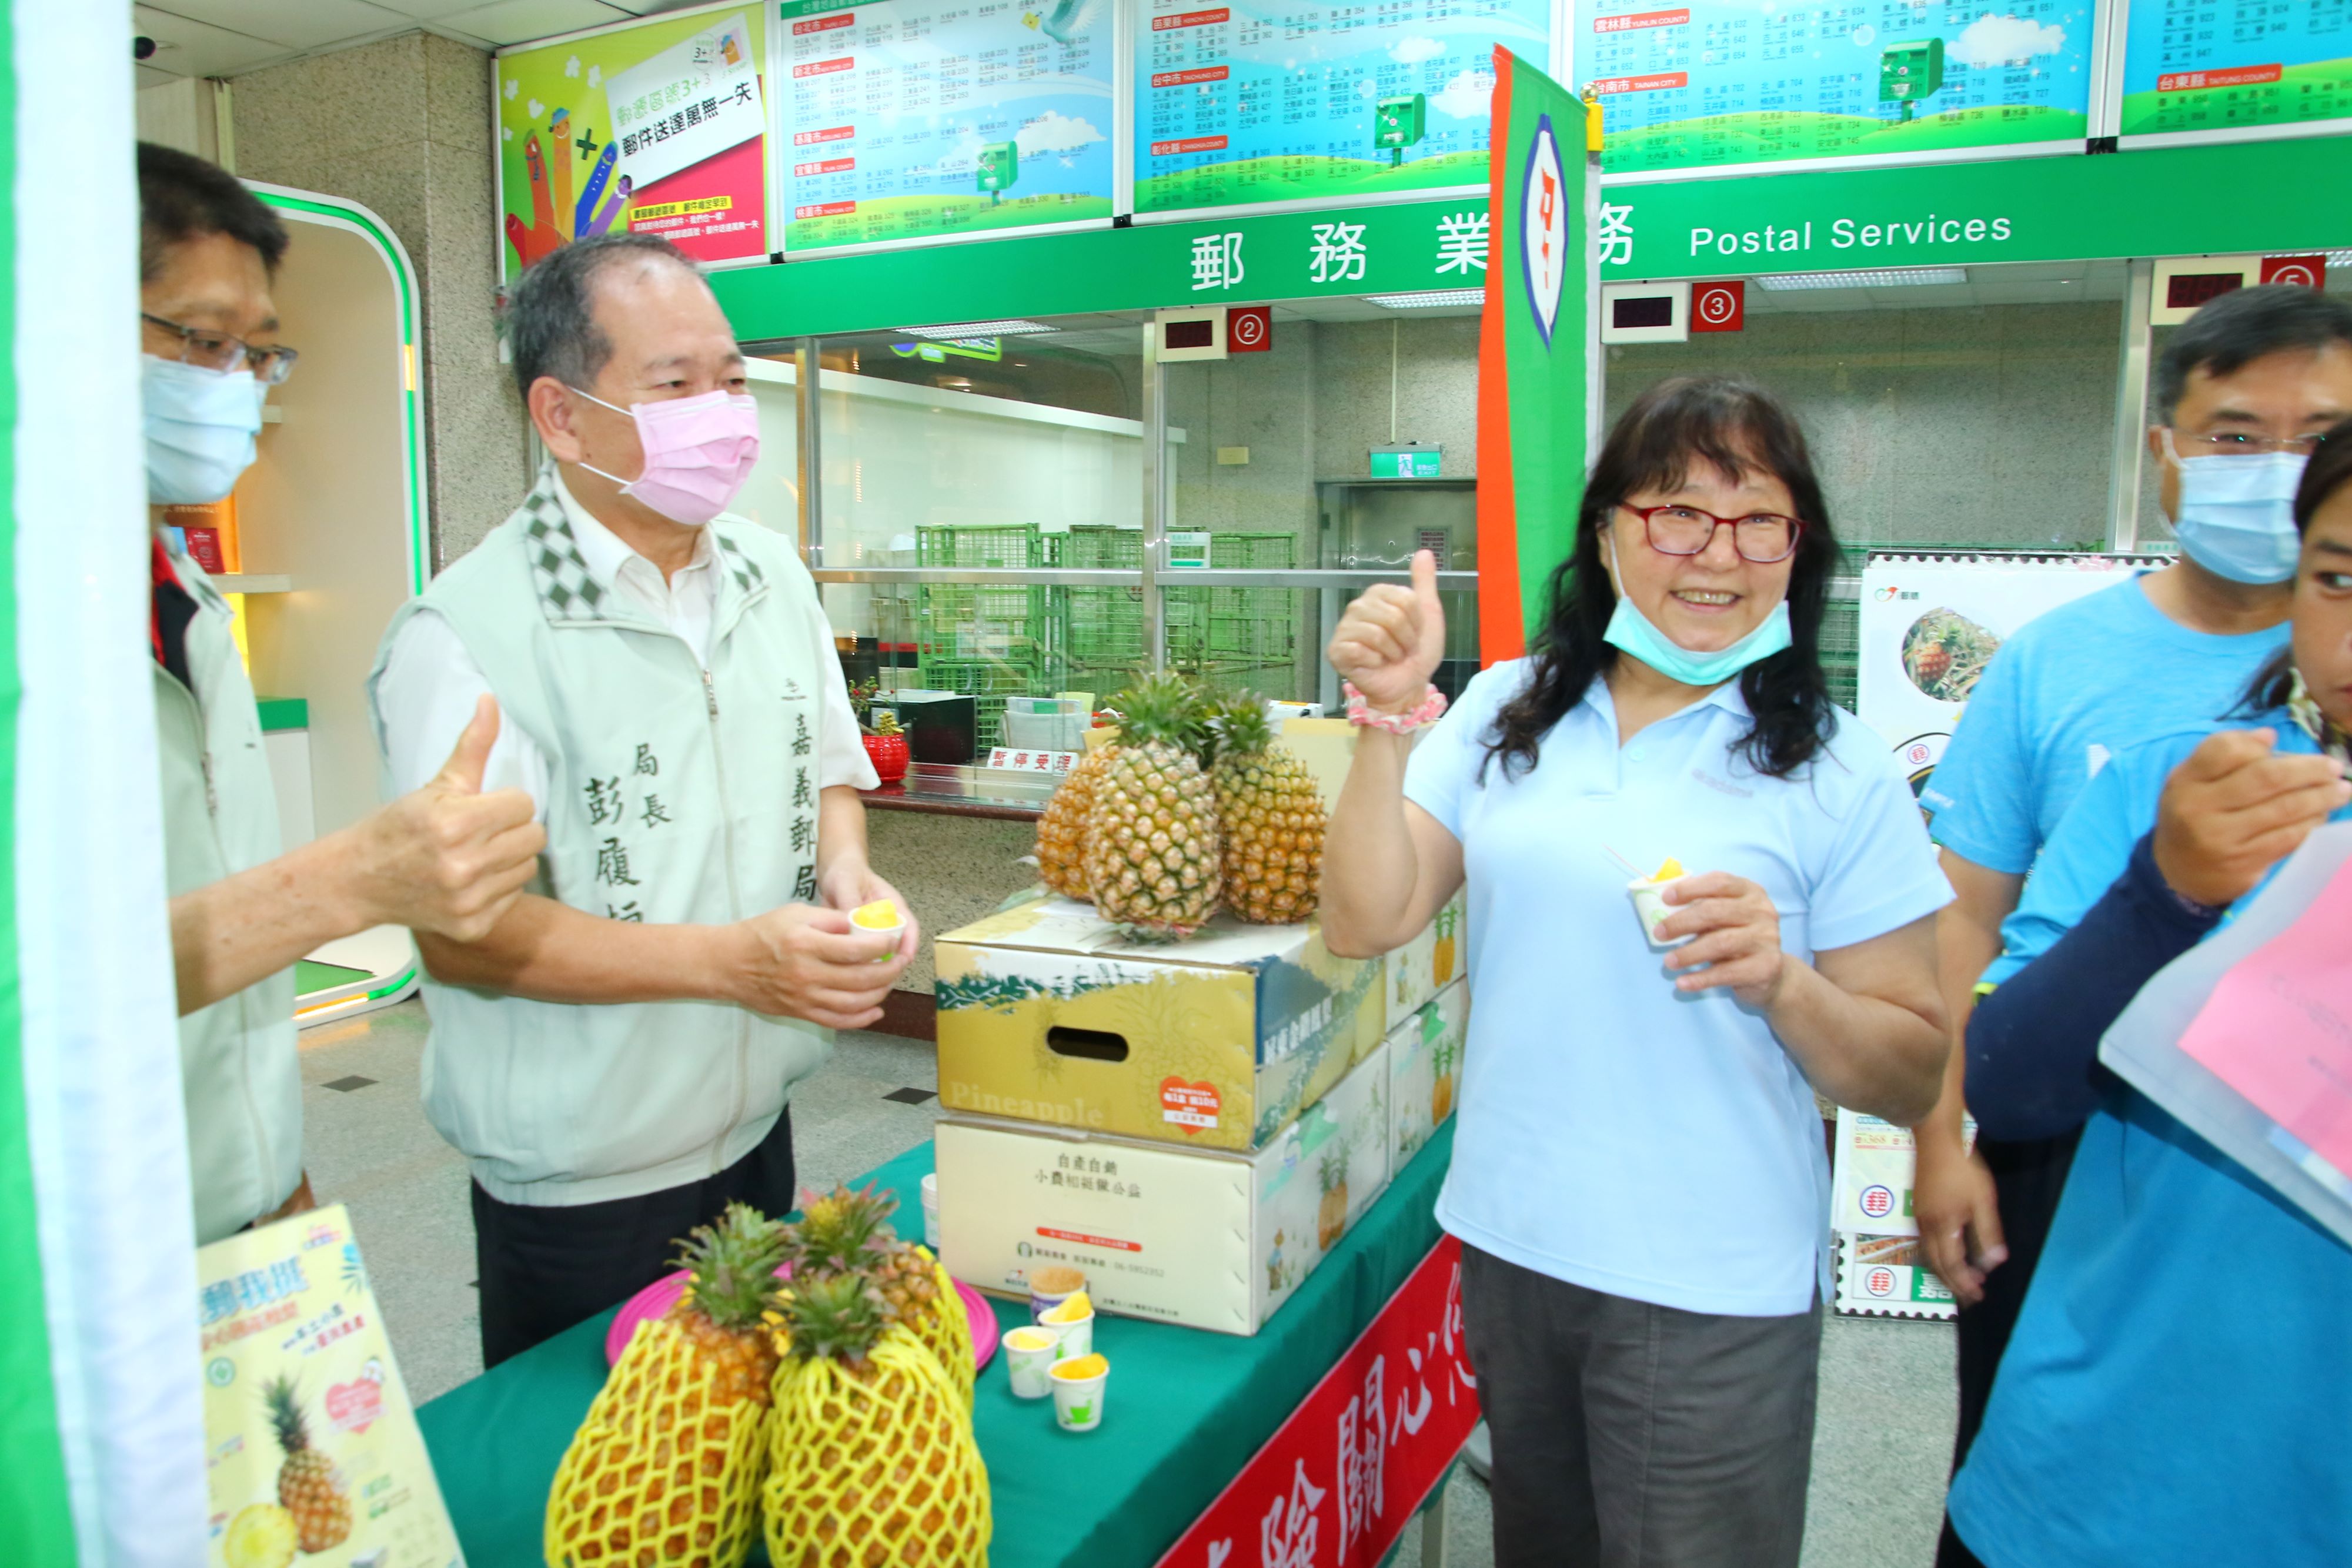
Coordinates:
x,y
2188,290
1200,334
1642,310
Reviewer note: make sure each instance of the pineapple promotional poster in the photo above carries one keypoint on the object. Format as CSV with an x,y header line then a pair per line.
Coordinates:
x,y
311,1447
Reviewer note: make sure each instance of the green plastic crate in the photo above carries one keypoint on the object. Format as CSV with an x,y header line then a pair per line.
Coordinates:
x,y
988,545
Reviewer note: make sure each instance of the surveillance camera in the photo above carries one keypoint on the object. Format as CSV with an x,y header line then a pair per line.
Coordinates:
x,y
142,48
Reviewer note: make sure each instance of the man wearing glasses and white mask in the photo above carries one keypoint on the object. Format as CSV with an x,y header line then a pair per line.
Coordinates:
x,y
2242,394
444,858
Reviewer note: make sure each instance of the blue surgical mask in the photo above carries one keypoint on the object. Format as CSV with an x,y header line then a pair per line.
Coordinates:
x,y
200,429
1632,632
2237,514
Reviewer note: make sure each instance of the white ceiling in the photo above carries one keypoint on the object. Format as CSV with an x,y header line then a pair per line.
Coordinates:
x,y
225,37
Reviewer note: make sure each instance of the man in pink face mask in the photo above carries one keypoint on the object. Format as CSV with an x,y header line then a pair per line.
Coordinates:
x,y
616,1056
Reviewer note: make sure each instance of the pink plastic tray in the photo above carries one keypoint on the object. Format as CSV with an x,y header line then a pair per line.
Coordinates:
x,y
662,1294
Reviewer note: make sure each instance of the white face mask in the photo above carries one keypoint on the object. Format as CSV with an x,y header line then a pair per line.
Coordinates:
x,y
2237,513
200,428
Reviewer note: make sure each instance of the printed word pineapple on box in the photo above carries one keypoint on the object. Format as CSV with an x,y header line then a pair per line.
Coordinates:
x,y
667,1468
872,1459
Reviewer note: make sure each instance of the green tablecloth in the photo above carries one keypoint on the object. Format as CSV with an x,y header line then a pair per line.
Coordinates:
x,y
1183,1411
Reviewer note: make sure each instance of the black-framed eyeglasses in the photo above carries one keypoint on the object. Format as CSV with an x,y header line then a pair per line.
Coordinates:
x,y
1761,537
2236,444
225,351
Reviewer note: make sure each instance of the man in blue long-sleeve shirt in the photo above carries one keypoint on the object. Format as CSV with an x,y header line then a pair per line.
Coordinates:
x,y
2176,1387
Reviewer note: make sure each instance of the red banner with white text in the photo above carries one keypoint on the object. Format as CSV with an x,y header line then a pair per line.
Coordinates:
x,y
1336,1486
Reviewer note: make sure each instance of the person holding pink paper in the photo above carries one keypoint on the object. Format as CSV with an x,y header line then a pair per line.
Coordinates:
x,y
2176,1388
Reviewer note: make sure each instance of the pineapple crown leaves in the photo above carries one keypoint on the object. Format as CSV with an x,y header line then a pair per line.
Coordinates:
x,y
842,1231
1165,707
1241,727
732,1265
283,1400
839,1317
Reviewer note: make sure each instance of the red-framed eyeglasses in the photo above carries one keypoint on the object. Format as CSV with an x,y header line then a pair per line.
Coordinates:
x,y
1761,537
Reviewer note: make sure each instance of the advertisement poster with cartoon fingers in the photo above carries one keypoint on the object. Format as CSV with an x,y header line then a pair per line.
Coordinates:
x,y
653,127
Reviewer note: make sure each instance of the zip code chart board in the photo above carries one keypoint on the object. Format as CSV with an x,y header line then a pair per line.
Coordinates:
x,y
1263,101
1721,83
914,120
2235,64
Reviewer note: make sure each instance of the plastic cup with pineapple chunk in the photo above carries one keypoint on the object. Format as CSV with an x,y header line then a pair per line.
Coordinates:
x,y
882,918
1029,1354
1072,1322
1079,1392
1650,902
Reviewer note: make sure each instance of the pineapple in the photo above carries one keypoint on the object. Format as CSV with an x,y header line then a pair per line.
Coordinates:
x,y
1440,1090
262,1535
1062,830
873,1460
309,1486
665,1471
849,1233
1271,814
1441,958
1152,840
1331,1214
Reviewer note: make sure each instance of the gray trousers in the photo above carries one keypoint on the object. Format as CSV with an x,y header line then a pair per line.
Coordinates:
x,y
1633,1436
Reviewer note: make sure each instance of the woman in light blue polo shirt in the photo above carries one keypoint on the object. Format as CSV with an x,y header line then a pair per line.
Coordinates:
x,y
1639,1181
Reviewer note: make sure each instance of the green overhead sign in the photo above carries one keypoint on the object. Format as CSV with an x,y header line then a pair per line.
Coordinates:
x,y
1408,463
1403,248
2189,201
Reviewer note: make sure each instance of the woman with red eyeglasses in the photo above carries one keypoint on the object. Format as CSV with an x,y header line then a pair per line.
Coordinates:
x,y
1638,1179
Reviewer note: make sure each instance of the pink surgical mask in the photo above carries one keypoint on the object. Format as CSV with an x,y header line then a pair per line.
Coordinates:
x,y
699,451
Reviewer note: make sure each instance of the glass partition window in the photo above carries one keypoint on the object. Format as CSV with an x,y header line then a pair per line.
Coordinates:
x,y
986,524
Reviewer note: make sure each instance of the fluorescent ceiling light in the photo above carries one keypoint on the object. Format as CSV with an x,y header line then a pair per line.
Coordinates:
x,y
1868,278
1430,299
960,331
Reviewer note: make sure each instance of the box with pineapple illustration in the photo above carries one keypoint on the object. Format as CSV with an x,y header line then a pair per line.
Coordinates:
x,y
1428,963
311,1446
1047,1014
1425,1070
1199,1236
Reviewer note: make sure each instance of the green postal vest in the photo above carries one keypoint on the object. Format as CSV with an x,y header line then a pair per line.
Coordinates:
x,y
676,794
238,1072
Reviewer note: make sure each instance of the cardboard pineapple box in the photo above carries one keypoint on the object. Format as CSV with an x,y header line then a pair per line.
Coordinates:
x,y
1204,1238
1428,963
1425,1070
1046,1014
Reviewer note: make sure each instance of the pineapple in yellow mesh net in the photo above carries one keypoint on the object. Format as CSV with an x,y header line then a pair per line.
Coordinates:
x,y
849,1232
664,1472
872,1461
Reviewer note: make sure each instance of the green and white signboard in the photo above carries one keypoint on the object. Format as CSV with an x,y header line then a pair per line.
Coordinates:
x,y
1407,462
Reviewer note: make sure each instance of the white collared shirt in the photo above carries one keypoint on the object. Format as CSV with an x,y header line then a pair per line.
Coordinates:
x,y
430,683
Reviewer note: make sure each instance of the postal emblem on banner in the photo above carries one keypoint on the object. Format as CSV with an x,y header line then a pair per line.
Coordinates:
x,y
1543,222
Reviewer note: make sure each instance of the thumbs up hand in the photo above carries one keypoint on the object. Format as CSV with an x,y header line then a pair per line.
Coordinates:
x,y
448,858
1391,639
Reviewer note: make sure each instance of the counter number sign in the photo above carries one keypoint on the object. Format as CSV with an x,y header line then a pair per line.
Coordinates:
x,y
1718,307
1249,329
2310,271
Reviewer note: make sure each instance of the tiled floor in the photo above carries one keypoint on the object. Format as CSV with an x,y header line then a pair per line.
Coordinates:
x,y
1880,1450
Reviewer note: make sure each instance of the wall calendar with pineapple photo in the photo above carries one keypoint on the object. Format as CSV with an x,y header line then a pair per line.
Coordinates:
x,y
311,1446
